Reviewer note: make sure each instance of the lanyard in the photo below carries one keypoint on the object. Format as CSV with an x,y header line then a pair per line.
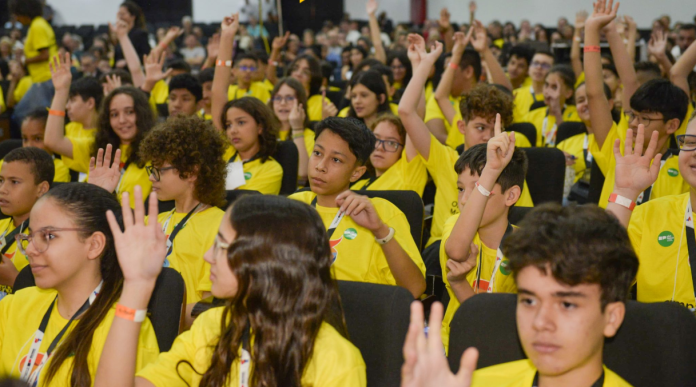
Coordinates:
x,y
337,219
178,227
30,362
645,195
588,159
598,383
370,181
496,267
690,244
231,160
124,167
11,236
549,135
245,360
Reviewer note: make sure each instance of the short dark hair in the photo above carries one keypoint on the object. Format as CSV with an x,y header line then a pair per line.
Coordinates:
x,y
40,163
689,26
206,75
241,56
179,64
188,82
649,67
610,67
125,76
544,51
522,51
28,8
471,58
577,245
385,70
86,88
38,114
360,139
370,63
514,173
661,96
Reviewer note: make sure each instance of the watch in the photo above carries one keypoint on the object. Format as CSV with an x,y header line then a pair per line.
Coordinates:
x,y
387,238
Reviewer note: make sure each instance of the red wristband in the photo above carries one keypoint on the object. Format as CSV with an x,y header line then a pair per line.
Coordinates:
x,y
622,201
592,49
58,113
453,65
224,63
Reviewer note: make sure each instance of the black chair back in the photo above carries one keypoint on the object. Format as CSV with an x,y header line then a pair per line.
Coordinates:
x,y
286,155
655,346
377,318
546,174
527,129
567,130
537,105
410,203
596,184
9,145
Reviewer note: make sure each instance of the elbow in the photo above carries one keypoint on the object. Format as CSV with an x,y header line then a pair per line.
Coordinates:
x,y
404,111
674,73
417,288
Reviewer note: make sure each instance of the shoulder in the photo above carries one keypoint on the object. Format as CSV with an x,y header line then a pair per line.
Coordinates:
x,y
31,298
611,379
506,374
304,197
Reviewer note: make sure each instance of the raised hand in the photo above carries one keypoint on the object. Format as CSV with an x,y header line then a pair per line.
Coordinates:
x,y
280,42
500,148
172,33
432,56
140,248
360,209
297,116
60,72
630,23
328,109
603,14
658,44
457,271
112,82
472,6
580,18
636,170
461,41
230,25
444,21
120,29
153,68
213,46
425,363
102,172
480,38
371,7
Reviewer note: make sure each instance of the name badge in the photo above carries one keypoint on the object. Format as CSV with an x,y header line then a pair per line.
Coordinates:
x,y
235,175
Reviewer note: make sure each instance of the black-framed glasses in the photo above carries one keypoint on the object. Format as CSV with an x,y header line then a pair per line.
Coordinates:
x,y
388,145
157,172
40,238
686,142
545,66
287,99
641,119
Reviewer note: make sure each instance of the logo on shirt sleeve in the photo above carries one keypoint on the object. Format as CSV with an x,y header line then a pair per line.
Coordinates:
x,y
665,239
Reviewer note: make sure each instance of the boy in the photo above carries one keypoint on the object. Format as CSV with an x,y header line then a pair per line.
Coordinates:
x,y
205,78
573,268
26,175
185,92
518,66
490,181
159,89
245,66
370,238
525,97
33,129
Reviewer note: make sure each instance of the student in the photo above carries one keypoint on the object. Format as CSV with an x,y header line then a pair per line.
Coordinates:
x,y
368,97
83,104
288,340
520,58
26,175
370,238
33,130
156,82
490,181
401,67
395,162
525,97
559,87
245,65
185,92
78,282
573,268
306,69
123,122
205,78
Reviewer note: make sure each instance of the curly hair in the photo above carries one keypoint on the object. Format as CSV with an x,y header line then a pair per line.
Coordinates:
x,y
263,115
145,120
485,101
193,147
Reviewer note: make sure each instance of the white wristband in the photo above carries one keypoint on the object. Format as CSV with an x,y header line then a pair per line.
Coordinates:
x,y
387,238
483,191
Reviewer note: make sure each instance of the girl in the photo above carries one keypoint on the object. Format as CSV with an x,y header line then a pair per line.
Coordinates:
x,y
401,67
67,315
307,70
395,161
368,97
249,125
124,120
132,14
278,316
357,55
558,97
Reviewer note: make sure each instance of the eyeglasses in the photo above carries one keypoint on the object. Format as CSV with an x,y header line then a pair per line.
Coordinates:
x,y
641,119
157,172
219,246
687,142
247,68
398,67
543,65
388,146
40,238
287,99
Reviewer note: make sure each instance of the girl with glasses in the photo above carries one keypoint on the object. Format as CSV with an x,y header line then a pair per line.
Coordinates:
x,y
53,333
282,323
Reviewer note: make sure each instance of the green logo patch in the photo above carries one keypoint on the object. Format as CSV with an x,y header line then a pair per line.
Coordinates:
x,y
673,172
505,267
247,175
350,234
665,239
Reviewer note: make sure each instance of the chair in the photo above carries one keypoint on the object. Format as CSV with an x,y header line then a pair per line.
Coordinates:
x,y
377,318
655,346
409,203
335,97
8,145
287,156
567,130
545,174
165,310
516,214
596,184
527,129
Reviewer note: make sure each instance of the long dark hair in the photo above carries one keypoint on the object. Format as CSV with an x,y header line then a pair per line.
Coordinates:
x,y
300,94
264,116
87,204
375,83
285,291
403,58
144,122
316,78
135,10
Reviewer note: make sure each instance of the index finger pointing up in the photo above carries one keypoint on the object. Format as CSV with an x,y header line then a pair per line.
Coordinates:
x,y
498,129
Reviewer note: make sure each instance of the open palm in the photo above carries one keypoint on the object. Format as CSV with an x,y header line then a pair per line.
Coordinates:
x,y
636,170
603,14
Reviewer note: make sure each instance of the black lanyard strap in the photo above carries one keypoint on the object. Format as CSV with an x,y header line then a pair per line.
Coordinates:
x,y
335,222
180,225
256,156
47,317
691,245
598,383
10,238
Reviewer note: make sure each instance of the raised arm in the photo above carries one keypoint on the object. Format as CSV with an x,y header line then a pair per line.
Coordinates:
x,y
631,36
212,51
657,46
624,65
277,46
54,137
297,121
415,127
480,42
375,33
575,59
221,79
173,33
153,70
600,113
129,53
444,88
680,71
446,30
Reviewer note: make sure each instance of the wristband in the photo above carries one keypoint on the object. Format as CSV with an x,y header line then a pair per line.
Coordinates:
x,y
271,62
223,63
453,65
592,49
135,315
577,39
483,191
58,113
298,135
387,238
622,201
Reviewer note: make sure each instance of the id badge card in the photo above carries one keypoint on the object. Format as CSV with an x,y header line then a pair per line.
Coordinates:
x,y
3,242
235,175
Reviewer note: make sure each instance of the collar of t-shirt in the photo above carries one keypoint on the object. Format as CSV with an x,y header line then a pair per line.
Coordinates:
x,y
598,383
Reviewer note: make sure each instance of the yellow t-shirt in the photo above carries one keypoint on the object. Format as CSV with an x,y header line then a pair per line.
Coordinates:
x,y
76,130
428,90
190,244
2,101
20,317
335,361
538,116
524,98
203,115
263,177
356,254
13,254
669,180
308,139
433,112
440,165
22,87
521,373
314,107
403,175
40,36
657,231
132,176
394,108
580,80
575,146
256,90
159,95
504,282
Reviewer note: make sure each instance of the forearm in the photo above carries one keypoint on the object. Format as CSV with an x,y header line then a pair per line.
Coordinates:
x,y
416,129
10,93
54,136
600,114
298,139
448,38
575,60
131,56
497,73
624,66
681,70
42,57
622,213
421,105
404,270
376,36
271,69
462,290
221,81
631,44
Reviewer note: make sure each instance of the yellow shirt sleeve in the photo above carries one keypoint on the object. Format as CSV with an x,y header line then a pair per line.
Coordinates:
x,y
62,173
263,177
2,101
82,149
314,107
22,88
